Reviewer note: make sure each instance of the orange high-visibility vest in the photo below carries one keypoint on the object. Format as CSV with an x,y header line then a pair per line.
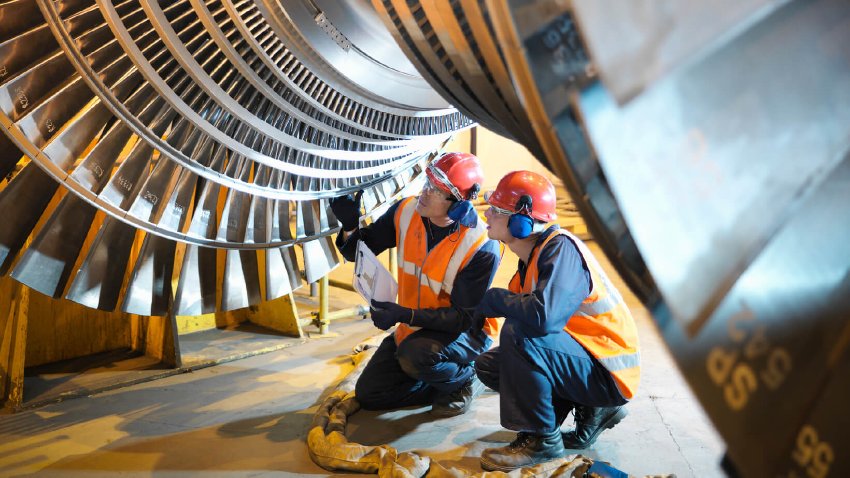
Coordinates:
x,y
426,278
602,324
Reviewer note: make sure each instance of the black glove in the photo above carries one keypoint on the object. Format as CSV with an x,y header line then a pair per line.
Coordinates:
x,y
492,303
387,314
347,210
478,319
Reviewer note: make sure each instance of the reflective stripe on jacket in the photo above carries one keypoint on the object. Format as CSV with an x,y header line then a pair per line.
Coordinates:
x,y
426,278
602,324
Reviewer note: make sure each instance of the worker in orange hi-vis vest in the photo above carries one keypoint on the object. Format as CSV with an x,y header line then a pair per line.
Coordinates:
x,y
445,264
568,340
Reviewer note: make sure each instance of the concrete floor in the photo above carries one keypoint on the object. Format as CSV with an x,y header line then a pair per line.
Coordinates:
x,y
250,417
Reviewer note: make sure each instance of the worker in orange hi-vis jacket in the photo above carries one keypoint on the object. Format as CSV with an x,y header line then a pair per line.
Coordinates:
x,y
568,340
445,264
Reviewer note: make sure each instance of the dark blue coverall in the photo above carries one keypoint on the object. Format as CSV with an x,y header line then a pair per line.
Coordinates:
x,y
438,357
539,369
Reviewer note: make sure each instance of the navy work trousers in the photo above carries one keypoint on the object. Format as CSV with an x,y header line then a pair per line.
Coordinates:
x,y
540,378
426,363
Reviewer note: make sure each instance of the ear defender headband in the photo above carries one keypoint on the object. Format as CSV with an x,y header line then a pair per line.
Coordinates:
x,y
459,209
521,223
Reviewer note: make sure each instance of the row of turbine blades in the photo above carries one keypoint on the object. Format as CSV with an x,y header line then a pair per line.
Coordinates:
x,y
142,136
513,67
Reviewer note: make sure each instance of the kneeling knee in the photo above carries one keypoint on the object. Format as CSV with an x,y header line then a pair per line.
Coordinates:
x,y
416,361
368,396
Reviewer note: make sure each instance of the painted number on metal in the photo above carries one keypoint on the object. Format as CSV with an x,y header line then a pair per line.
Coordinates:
x,y
734,367
23,101
811,455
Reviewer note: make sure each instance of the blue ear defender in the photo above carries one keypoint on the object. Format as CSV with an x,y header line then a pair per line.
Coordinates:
x,y
520,224
460,209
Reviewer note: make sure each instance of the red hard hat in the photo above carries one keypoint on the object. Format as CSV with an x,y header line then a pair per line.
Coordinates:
x,y
521,183
459,171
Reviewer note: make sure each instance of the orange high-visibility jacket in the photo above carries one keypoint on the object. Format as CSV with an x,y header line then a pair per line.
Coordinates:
x,y
426,278
602,324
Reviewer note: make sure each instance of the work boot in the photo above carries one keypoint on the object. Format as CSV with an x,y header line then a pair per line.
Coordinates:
x,y
527,449
459,401
590,422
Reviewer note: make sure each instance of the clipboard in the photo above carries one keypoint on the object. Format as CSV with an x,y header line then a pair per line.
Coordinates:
x,y
371,279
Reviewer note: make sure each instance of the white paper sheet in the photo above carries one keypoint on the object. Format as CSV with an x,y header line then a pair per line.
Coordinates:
x,y
371,279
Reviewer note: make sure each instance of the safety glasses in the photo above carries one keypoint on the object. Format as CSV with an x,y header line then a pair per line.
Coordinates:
x,y
499,210
431,188
493,208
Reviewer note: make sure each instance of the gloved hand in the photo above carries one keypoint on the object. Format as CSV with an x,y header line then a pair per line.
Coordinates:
x,y
347,210
478,319
492,304
387,314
